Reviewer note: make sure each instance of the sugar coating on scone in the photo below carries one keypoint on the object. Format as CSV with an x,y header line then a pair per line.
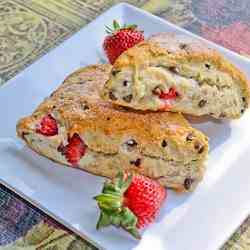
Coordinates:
x,y
177,73
160,145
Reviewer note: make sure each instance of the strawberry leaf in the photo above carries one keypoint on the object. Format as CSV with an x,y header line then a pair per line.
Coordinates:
x,y
118,181
129,221
109,201
104,220
113,211
130,26
116,25
127,183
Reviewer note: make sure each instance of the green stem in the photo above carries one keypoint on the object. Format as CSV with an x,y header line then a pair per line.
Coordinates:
x,y
112,209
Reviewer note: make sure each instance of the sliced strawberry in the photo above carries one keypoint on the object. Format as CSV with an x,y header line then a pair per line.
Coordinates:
x,y
170,95
48,126
74,150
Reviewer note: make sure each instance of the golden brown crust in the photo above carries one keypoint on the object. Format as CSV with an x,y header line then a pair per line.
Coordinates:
x,y
177,49
77,107
195,50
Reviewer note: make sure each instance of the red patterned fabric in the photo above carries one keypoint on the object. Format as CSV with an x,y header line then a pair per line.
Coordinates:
x,y
235,36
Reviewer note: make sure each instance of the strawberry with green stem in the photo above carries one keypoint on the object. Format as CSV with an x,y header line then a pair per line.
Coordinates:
x,y
120,39
130,201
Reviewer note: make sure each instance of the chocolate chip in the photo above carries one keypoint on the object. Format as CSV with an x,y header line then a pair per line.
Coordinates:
x,y
132,143
54,106
115,72
242,111
128,98
207,65
125,83
112,96
81,82
60,148
199,147
52,94
108,118
85,107
183,46
156,91
164,144
188,183
222,115
137,162
243,99
123,109
190,137
173,69
24,134
202,103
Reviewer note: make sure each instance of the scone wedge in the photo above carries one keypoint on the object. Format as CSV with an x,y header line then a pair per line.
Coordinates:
x,y
180,74
75,127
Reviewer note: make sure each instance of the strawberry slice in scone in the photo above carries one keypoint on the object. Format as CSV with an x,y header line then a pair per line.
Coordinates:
x,y
167,97
48,126
74,150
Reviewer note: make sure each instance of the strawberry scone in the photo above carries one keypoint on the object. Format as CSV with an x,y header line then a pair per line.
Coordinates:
x,y
74,126
177,73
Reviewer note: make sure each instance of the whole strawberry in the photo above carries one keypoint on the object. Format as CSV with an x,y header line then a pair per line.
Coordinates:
x,y
120,39
130,202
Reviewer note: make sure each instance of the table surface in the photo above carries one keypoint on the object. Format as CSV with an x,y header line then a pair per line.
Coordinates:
x,y
30,28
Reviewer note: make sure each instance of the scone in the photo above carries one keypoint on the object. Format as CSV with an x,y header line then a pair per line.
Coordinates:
x,y
74,126
180,74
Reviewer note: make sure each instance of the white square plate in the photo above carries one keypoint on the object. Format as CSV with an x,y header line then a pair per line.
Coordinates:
x,y
201,220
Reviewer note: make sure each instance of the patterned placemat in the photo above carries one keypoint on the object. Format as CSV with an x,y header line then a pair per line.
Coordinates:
x,y
30,28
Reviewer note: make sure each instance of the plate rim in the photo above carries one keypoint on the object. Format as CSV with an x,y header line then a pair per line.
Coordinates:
x,y
150,16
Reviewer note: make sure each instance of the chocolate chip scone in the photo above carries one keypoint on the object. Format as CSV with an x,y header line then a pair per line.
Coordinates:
x,y
74,126
177,73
